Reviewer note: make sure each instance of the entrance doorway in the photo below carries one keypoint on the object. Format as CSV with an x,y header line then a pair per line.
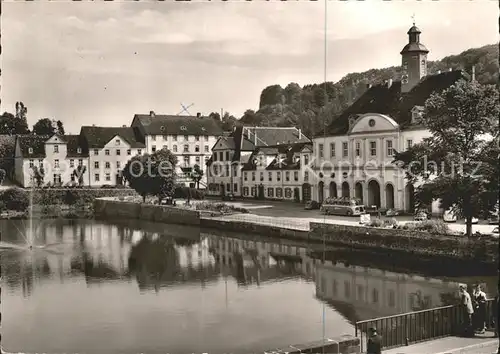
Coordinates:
x,y
389,196
358,191
321,191
345,190
374,193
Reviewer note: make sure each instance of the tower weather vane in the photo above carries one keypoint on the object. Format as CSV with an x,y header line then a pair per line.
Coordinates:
x,y
413,18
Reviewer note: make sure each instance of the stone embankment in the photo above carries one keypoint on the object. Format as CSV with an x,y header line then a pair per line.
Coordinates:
x,y
383,240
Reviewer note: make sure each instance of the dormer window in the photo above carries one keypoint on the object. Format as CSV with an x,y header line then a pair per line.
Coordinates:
x,y
183,127
30,150
79,150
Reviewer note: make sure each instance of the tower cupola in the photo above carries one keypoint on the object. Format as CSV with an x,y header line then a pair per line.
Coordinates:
x,y
414,60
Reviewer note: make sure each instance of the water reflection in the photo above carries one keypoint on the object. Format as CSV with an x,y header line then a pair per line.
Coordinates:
x,y
224,292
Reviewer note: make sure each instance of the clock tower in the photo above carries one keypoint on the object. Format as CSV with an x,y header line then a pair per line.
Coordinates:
x,y
414,60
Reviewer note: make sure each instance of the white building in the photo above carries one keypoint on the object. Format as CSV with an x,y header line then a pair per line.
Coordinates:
x,y
355,158
190,138
262,162
109,149
60,157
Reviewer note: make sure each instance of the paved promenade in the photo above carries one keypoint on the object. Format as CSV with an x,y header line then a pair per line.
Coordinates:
x,y
450,345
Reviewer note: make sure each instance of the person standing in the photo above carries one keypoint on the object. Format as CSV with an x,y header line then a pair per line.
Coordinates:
x,y
467,311
374,345
480,309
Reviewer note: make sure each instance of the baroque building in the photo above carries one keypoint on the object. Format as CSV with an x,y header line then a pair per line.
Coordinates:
x,y
355,159
259,162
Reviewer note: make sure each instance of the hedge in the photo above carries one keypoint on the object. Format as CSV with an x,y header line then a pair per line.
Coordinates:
x,y
72,196
182,192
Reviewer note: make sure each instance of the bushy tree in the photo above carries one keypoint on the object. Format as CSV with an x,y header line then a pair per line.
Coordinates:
x,y
38,175
79,172
11,125
16,199
152,174
458,164
46,126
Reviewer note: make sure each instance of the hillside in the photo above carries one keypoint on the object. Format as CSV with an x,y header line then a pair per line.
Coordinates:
x,y
304,107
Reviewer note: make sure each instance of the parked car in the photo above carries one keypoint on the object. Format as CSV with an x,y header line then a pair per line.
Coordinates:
x,y
449,216
421,216
495,233
228,197
493,219
392,212
312,204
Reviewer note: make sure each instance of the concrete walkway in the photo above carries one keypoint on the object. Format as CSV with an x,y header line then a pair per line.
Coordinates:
x,y
450,345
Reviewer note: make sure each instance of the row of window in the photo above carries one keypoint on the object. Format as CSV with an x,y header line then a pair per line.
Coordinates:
x,y
357,151
271,192
221,173
278,176
174,137
375,296
56,163
186,148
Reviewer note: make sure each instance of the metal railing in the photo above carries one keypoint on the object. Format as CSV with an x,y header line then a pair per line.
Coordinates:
x,y
419,326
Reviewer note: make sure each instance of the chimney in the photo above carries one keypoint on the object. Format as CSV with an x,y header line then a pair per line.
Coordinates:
x,y
93,125
389,83
300,134
473,73
124,125
152,114
198,115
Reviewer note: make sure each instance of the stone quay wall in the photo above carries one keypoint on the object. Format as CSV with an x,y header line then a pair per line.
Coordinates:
x,y
53,196
338,345
253,228
115,209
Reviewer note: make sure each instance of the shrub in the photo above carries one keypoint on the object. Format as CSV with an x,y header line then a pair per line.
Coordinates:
x,y
376,223
222,208
182,192
16,199
433,226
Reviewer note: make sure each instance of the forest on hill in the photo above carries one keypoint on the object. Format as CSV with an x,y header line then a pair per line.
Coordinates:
x,y
312,106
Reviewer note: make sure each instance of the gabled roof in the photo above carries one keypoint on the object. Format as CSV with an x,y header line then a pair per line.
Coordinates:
x,y
161,124
227,142
98,137
271,136
390,101
74,142
35,142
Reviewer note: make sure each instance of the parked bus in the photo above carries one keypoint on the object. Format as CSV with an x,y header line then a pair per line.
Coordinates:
x,y
342,206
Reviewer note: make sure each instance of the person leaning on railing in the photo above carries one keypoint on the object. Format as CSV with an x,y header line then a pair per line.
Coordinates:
x,y
374,344
467,311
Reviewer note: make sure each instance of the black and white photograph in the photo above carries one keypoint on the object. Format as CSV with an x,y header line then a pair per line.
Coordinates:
x,y
236,177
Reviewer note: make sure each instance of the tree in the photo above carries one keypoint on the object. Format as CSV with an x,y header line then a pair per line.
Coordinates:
x,y
197,175
3,174
10,125
215,116
152,174
79,172
21,113
46,126
458,164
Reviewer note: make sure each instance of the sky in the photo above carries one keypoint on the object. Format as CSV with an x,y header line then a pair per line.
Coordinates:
x,y
102,62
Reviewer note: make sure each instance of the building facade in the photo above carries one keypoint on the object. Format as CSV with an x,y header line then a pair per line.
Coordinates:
x,y
109,149
355,159
259,162
190,138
